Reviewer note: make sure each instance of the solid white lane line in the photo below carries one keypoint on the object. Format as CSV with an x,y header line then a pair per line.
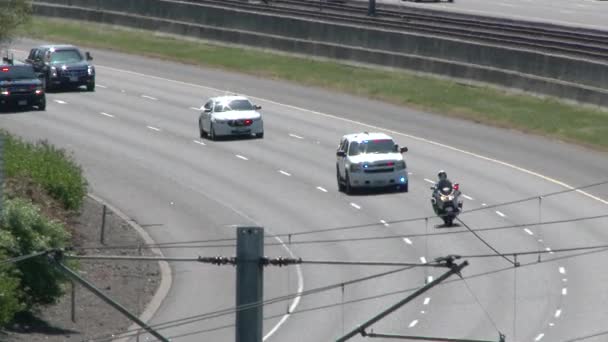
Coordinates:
x,y
429,181
423,260
500,214
505,4
427,300
408,241
240,157
467,197
562,270
149,97
413,324
355,205
100,86
60,101
558,313
295,136
106,114
322,188
528,231
154,128
199,142
564,291
384,223
285,173
539,337
335,117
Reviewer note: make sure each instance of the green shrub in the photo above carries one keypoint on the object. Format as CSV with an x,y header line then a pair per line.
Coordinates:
x,y
26,231
10,295
48,166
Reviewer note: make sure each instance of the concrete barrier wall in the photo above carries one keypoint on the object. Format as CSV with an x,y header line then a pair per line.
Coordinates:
x,y
579,80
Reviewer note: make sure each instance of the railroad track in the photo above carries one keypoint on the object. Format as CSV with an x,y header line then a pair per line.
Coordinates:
x,y
546,38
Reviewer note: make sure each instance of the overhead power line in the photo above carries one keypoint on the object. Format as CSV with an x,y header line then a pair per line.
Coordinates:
x,y
23,257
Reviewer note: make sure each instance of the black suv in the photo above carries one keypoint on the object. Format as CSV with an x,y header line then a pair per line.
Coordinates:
x,y
63,66
20,86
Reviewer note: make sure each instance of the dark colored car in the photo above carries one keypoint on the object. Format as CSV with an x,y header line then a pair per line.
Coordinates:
x,y
20,86
63,66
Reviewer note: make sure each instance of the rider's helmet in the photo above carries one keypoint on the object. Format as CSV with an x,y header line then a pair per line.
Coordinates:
x,y
442,175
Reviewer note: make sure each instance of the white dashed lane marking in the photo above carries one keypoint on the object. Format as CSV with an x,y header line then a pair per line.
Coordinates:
x,y
423,260
539,337
384,223
355,205
199,142
101,86
467,197
408,241
558,313
149,97
106,114
427,300
565,280
528,231
285,173
429,181
565,291
154,128
483,204
562,270
500,214
194,108
413,324
295,136
240,157
60,101
320,188
429,279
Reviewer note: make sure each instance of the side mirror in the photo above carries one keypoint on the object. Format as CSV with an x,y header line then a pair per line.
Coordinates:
x,y
88,55
257,107
403,150
341,154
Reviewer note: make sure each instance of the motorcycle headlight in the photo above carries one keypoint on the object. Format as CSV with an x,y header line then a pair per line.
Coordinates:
x,y
53,71
445,198
91,70
355,167
400,165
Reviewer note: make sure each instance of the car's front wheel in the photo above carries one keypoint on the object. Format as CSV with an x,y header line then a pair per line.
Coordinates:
x,y
42,104
212,135
347,186
341,186
91,86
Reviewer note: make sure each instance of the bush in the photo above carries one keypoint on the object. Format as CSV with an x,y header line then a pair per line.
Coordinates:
x,y
48,166
13,13
26,231
10,296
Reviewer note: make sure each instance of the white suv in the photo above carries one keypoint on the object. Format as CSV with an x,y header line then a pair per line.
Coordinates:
x,y
230,115
370,160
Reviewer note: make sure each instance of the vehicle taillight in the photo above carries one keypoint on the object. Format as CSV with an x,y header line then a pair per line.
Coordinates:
x,y
248,122
390,164
456,186
5,69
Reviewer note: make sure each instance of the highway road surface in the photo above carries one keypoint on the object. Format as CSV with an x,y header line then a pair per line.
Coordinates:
x,y
581,13
137,139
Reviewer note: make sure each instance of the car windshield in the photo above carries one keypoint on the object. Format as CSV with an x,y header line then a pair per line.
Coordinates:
x,y
371,146
233,105
21,72
66,56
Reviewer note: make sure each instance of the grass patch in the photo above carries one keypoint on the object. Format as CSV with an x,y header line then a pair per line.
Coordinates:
x,y
583,125
46,166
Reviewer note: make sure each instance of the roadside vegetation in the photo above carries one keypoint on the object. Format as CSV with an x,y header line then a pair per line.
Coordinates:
x,y
584,125
43,186
13,14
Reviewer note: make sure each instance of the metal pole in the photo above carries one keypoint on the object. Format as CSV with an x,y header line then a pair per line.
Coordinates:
x,y
1,171
76,277
249,283
361,329
73,296
103,225
371,10
422,338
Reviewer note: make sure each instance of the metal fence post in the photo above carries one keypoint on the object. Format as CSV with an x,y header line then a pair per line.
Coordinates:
x,y
103,225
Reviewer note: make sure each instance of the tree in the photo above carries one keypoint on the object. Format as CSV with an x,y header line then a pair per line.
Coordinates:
x,y
13,13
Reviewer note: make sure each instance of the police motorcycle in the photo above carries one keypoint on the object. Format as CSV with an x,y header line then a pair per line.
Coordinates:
x,y
446,201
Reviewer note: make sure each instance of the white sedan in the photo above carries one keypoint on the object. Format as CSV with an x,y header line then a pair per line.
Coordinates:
x,y
229,116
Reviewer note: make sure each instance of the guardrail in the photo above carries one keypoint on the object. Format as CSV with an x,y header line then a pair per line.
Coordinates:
x,y
359,38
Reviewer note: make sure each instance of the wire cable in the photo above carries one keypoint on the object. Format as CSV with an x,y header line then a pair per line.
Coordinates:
x,y
485,242
23,257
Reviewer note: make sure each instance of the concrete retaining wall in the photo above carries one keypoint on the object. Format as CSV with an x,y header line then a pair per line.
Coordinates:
x,y
579,80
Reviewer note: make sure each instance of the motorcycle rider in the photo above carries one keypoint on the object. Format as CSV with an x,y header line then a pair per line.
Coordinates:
x,y
443,182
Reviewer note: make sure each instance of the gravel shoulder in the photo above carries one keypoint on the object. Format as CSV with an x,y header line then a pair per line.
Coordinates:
x,y
130,283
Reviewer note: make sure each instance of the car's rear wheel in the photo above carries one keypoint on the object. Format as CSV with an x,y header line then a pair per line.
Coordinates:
x,y
202,132
260,135
91,86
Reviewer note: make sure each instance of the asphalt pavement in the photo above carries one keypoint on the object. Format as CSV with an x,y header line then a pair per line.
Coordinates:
x,y
591,14
137,139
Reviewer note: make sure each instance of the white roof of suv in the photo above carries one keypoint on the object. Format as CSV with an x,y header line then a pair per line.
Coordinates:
x,y
359,137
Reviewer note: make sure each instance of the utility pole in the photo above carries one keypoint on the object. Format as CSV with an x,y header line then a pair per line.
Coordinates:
x,y
249,283
1,171
371,10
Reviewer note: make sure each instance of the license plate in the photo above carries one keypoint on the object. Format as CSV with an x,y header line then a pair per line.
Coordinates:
x,y
22,102
73,78
449,209
241,131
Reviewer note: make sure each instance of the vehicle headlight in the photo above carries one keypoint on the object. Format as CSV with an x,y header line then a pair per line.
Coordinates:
x,y
446,198
53,71
355,167
400,165
91,70
219,120
4,91
38,91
